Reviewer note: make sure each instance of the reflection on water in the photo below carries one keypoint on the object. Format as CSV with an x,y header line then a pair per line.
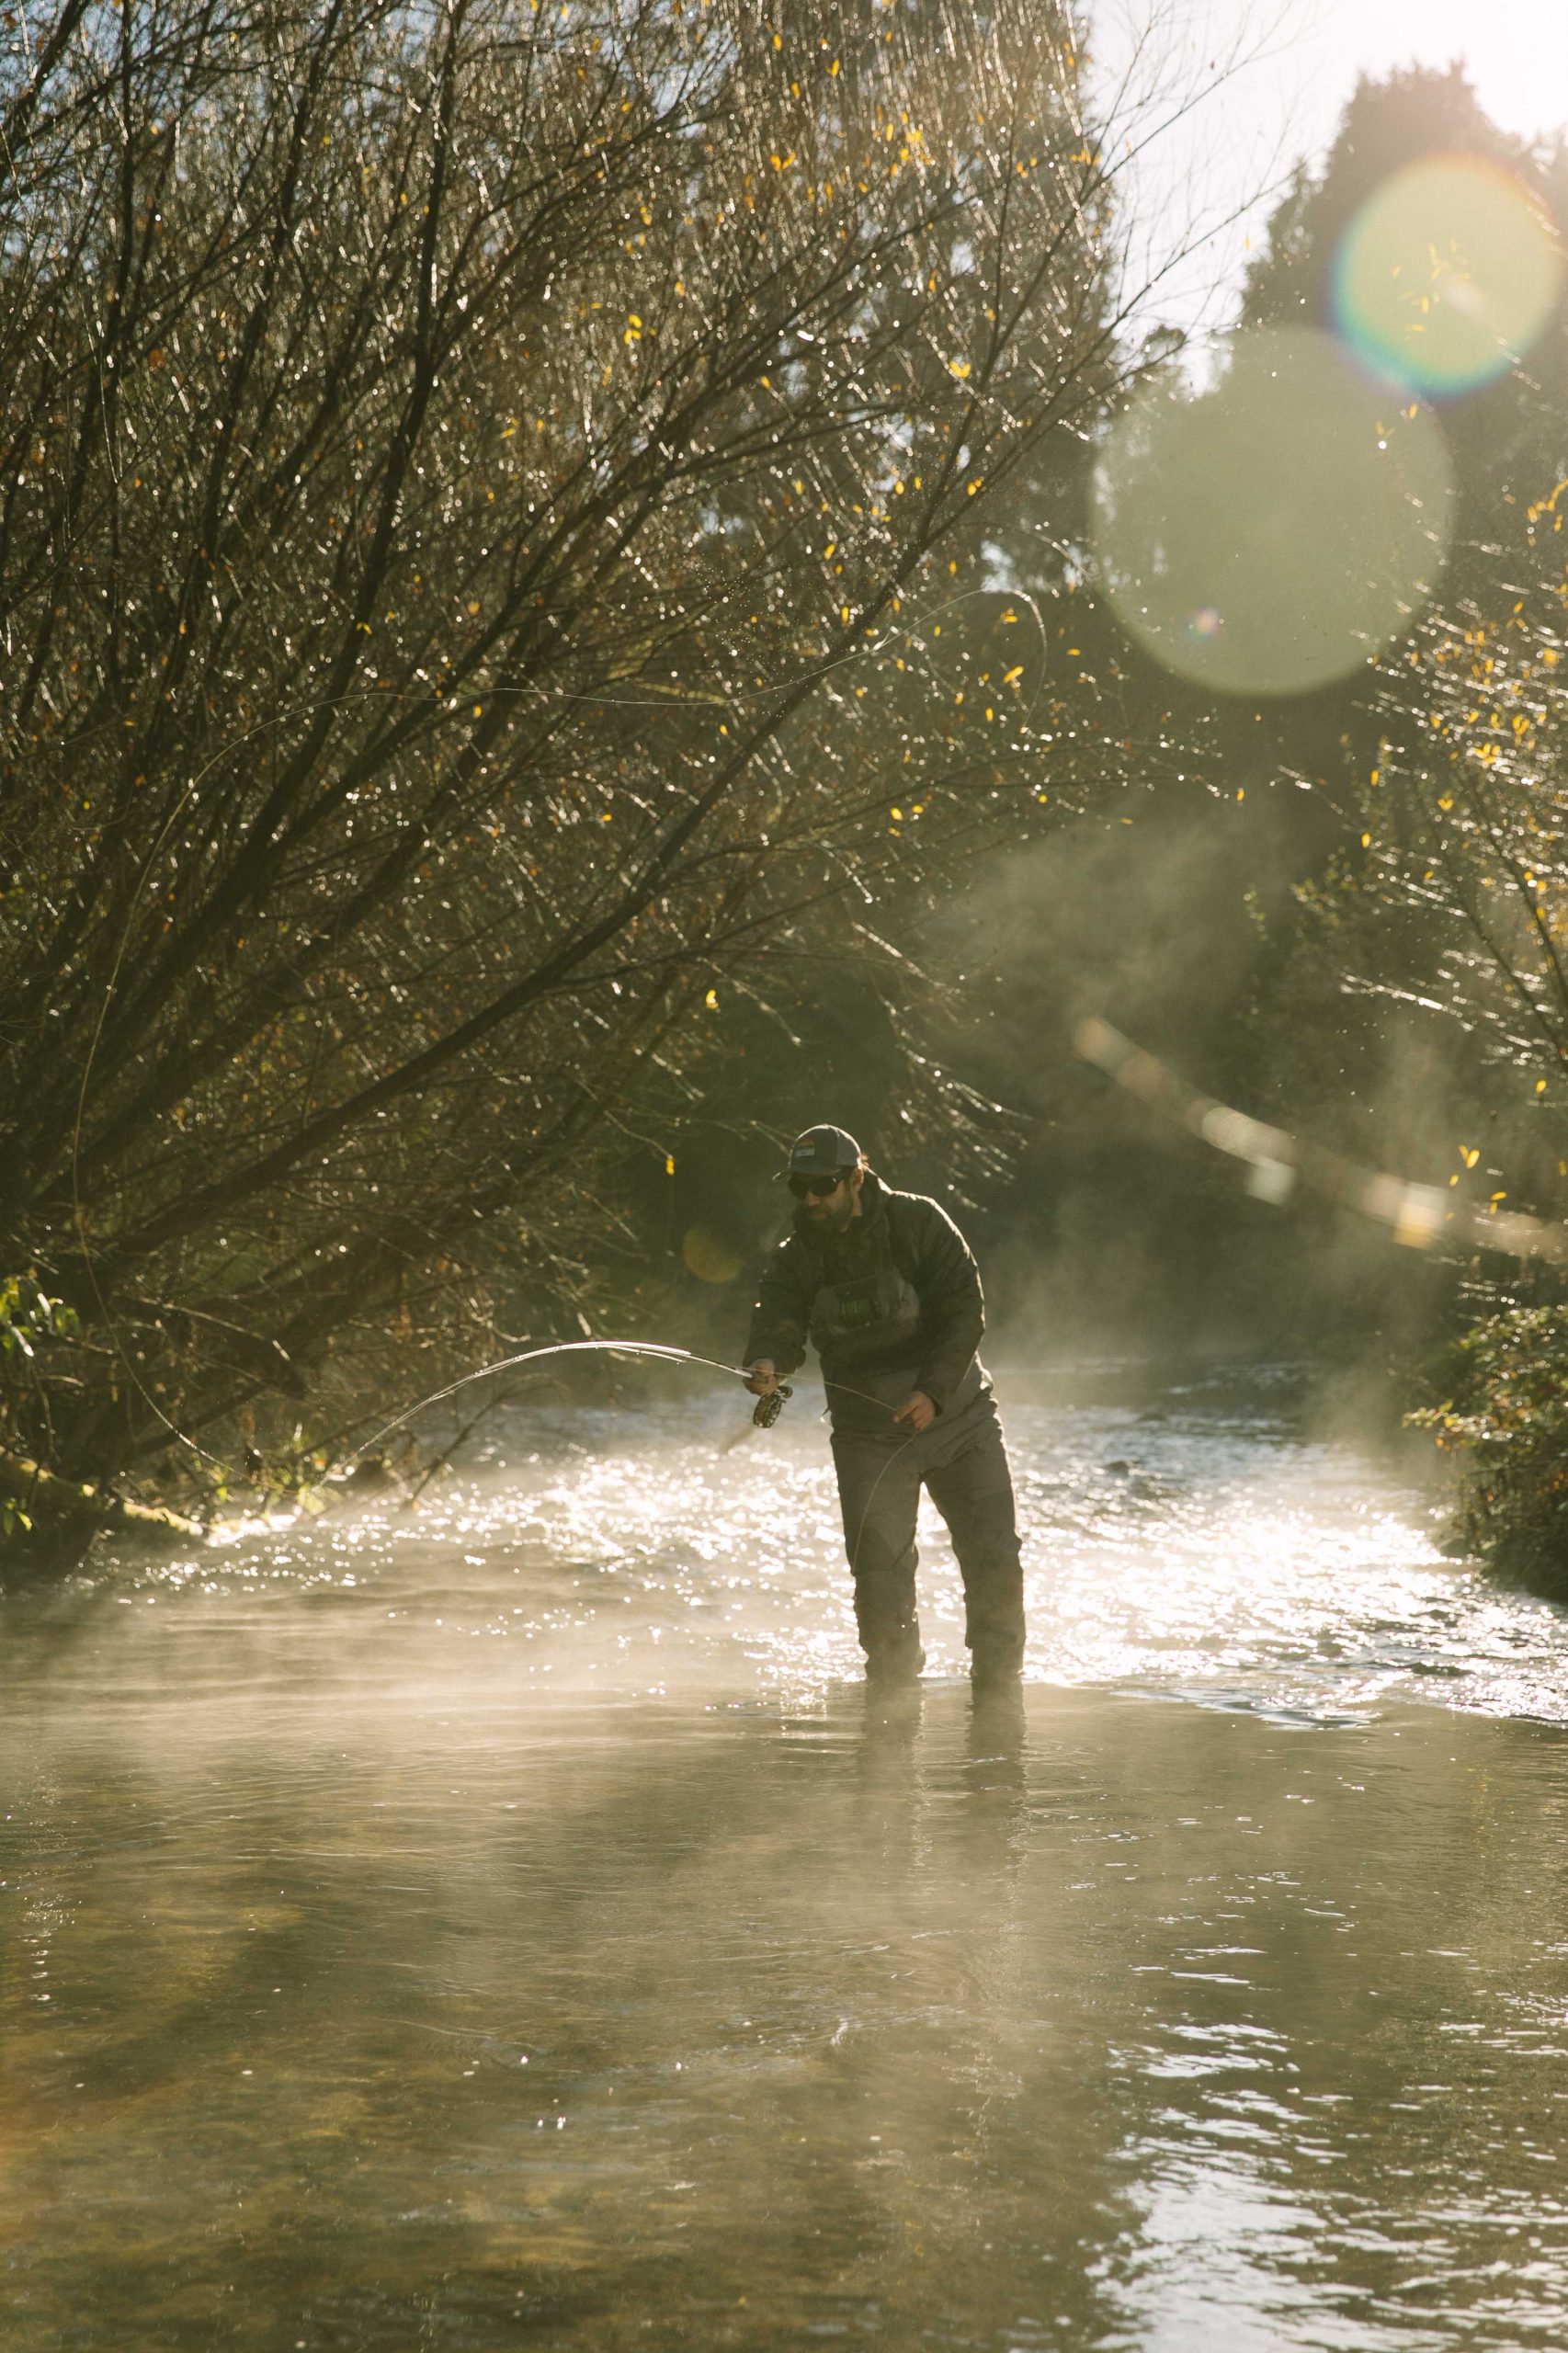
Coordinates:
x,y
507,1926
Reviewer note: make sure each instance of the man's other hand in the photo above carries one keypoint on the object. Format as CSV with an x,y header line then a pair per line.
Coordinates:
x,y
762,1379
917,1411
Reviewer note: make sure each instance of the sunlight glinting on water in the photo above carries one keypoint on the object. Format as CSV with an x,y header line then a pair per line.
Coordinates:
x,y
1220,1559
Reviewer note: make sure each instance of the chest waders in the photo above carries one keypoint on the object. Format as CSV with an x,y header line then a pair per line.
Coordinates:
x,y
866,1330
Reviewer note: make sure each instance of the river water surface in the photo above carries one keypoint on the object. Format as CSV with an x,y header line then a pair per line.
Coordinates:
x,y
512,1922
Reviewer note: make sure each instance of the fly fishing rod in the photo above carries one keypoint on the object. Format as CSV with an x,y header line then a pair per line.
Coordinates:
x,y
765,1413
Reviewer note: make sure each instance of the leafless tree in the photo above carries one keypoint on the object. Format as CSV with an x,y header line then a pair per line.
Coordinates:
x,y
480,488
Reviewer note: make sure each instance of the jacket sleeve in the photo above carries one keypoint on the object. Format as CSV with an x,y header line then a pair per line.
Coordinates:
x,y
783,1309
953,1307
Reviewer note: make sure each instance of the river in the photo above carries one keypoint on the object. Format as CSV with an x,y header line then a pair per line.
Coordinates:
x,y
512,1923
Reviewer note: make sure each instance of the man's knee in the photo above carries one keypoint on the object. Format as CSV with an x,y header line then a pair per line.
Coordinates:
x,y
879,1520
985,1542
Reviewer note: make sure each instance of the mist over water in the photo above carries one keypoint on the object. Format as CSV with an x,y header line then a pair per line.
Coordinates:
x,y
512,1922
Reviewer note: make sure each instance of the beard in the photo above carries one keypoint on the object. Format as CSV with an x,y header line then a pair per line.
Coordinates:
x,y
830,1216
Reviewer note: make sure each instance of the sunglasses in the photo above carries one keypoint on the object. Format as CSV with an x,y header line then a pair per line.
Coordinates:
x,y
813,1187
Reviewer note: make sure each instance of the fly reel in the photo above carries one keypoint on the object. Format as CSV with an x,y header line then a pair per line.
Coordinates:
x,y
766,1410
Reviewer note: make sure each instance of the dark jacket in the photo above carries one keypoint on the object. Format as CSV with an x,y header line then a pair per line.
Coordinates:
x,y
926,1248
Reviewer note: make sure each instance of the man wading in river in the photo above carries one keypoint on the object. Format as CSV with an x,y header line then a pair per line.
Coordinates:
x,y
883,1286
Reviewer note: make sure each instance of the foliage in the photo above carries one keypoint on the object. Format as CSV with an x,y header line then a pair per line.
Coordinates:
x,y
1507,1413
1443,929
29,1320
1466,811
1413,1006
1420,996
483,492
27,1316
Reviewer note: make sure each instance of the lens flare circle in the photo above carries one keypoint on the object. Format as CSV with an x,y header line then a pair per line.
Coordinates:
x,y
710,1255
1270,533
1446,275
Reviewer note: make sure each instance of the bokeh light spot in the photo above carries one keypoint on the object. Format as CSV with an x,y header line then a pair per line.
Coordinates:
x,y
1270,534
1447,275
710,1255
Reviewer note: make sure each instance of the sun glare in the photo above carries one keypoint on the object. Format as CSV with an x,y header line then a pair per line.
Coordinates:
x,y
1446,275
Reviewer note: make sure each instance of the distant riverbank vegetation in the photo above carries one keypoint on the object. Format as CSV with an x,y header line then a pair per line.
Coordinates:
x,y
1505,1413
1414,999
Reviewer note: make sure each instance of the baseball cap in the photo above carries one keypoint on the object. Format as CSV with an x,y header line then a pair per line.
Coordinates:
x,y
821,1152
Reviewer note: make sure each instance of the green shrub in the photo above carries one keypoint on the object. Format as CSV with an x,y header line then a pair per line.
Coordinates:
x,y
1507,1416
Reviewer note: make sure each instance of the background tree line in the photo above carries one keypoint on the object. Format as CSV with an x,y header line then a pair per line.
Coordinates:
x,y
1352,918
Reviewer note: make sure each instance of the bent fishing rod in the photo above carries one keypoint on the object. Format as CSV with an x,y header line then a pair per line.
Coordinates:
x,y
765,1413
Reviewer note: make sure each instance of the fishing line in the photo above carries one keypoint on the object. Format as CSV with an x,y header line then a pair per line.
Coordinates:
x,y
661,1351
656,1348
898,1452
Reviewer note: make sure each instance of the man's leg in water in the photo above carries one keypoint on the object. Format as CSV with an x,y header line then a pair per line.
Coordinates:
x,y
973,1491
878,1492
